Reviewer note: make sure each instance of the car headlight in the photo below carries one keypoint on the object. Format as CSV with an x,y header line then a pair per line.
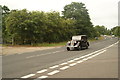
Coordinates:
x,y
68,43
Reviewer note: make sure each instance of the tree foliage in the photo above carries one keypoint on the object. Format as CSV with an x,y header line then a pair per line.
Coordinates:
x,y
102,30
78,12
32,27
24,27
116,31
5,11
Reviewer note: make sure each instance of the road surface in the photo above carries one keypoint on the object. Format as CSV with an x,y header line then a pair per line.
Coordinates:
x,y
99,61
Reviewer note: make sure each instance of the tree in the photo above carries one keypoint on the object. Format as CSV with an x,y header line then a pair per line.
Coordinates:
x,y
102,30
116,31
5,35
5,10
25,27
0,24
15,25
40,26
57,27
78,12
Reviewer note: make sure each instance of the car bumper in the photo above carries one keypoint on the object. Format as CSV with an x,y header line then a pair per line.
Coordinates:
x,y
72,46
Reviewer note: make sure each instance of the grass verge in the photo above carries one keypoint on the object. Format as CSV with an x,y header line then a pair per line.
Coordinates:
x,y
48,44
51,44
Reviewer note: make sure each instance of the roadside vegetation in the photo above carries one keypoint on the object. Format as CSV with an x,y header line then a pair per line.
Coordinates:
x,y
38,28
116,31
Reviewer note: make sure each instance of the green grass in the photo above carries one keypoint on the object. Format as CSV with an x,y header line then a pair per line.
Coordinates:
x,y
49,44
100,38
62,43
38,45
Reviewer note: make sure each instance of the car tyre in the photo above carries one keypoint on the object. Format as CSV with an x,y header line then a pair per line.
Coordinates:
x,y
87,47
81,48
88,44
68,49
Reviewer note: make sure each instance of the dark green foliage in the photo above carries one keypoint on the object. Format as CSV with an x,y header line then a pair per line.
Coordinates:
x,y
116,31
102,30
78,12
5,34
5,10
25,27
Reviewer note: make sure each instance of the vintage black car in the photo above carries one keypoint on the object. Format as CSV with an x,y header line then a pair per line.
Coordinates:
x,y
78,42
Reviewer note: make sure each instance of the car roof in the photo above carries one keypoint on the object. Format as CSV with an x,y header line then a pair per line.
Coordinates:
x,y
80,35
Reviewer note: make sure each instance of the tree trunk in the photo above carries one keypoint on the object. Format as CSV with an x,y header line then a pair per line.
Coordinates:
x,y
12,40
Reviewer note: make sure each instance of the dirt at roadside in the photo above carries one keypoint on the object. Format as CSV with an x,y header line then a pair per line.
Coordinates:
x,y
19,50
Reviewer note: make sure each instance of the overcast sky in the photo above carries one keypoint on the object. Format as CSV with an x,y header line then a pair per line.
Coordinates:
x,y
102,12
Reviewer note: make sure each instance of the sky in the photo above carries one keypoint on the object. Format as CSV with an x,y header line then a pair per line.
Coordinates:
x,y
102,12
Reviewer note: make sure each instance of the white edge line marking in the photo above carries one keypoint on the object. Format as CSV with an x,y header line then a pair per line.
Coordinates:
x,y
92,56
79,61
43,77
84,59
80,57
93,52
71,61
41,71
87,58
56,71
54,66
89,54
27,76
97,54
73,64
65,67
64,63
76,59
53,72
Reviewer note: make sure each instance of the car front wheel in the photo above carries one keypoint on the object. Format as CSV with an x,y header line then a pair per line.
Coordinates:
x,y
86,47
68,49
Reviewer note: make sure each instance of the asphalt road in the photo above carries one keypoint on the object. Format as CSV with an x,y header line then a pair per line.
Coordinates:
x,y
99,61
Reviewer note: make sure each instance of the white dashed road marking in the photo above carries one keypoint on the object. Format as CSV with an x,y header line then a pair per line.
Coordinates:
x,y
53,72
85,59
70,63
41,71
42,77
27,76
54,66
73,64
64,63
65,67
79,61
